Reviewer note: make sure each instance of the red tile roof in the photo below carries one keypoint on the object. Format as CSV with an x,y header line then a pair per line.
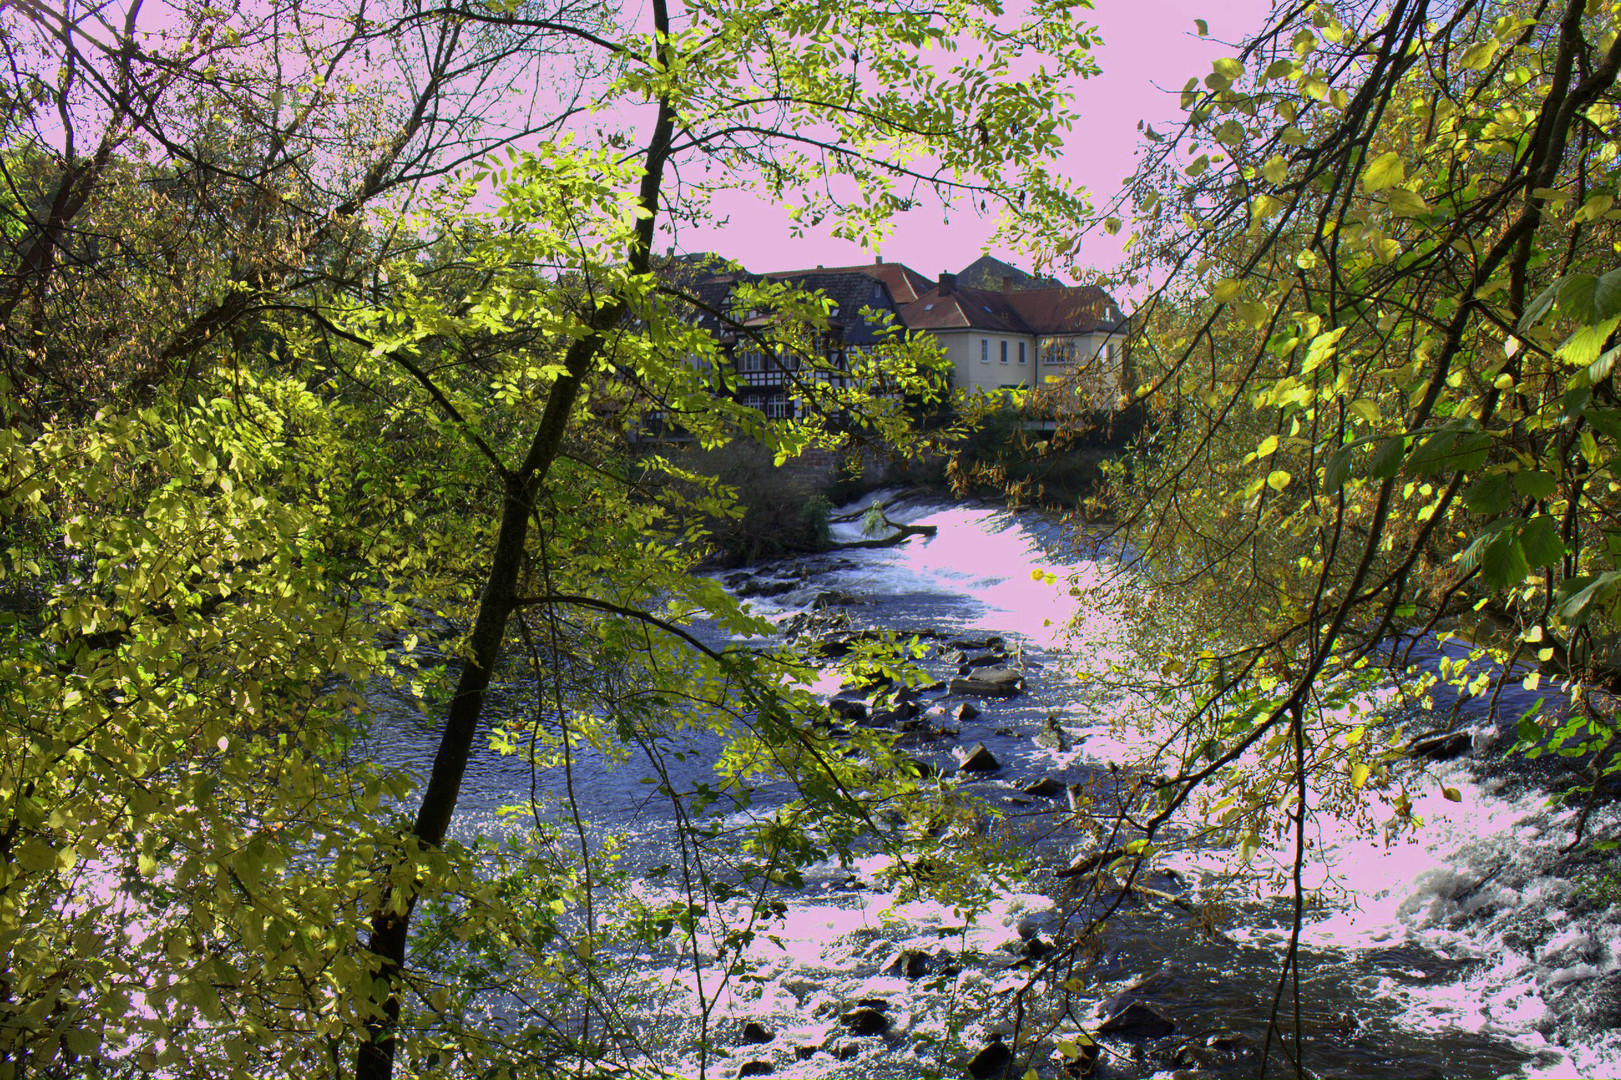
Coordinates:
x,y
1063,310
904,283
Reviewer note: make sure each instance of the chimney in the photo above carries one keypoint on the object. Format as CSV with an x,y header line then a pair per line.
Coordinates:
x,y
819,266
878,260
948,283
1007,283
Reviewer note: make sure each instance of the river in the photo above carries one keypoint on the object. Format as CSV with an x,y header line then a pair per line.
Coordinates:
x,y
1471,947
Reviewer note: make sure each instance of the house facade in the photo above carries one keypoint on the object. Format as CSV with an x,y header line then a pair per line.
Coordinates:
x,y
1067,343
1069,337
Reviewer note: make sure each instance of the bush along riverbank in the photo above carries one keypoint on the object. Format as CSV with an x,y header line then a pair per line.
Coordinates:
x,y
1467,947
786,509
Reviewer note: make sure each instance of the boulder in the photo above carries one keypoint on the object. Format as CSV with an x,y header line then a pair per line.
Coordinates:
x,y
1137,1021
766,587
848,709
1051,736
989,682
1045,788
991,1060
1442,747
992,642
984,660
977,759
755,1033
915,964
755,1068
865,1020
964,712
841,1049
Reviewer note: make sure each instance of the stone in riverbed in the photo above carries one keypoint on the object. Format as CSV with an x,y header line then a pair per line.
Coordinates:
x,y
1045,788
989,682
984,660
992,642
864,1020
1138,1021
964,712
755,1033
977,759
755,1068
848,709
915,964
991,1061
1051,736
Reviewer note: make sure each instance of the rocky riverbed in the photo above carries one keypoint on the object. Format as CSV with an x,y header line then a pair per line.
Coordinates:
x,y
1474,947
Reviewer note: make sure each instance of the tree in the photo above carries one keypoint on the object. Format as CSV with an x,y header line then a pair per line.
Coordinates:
x,y
393,447
1380,356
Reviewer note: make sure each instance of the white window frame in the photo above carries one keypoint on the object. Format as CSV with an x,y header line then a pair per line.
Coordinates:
x,y
984,350
1021,352
1004,350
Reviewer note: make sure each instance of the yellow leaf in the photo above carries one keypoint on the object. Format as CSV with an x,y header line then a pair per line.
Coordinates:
x,y
1596,207
1269,446
1384,171
1404,203
1450,794
1278,480
1226,289
1359,775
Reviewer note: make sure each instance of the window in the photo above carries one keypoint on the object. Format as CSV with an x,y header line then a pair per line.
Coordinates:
x,y
984,350
779,408
1004,350
1108,352
1021,352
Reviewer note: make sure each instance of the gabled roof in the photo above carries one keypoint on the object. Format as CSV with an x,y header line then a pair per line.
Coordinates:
x,y
849,292
904,283
1064,310
987,272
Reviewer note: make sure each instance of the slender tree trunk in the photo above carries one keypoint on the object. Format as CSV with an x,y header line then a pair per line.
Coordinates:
x,y
391,923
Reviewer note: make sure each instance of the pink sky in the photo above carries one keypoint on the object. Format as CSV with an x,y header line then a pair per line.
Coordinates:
x,y
1149,51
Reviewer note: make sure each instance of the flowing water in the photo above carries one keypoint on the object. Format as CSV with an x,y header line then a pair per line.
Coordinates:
x,y
1472,947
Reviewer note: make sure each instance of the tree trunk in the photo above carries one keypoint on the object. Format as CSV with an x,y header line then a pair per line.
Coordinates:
x,y
391,922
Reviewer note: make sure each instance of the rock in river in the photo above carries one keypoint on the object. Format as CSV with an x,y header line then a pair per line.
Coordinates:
x,y
989,682
865,1020
1046,787
1137,1021
755,1033
991,1060
978,759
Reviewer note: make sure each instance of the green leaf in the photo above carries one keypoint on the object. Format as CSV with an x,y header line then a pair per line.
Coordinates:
x,y
1336,470
1503,563
1539,539
1387,458
1528,730
1534,483
1577,598
1607,296
1384,171
1490,495
1539,307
